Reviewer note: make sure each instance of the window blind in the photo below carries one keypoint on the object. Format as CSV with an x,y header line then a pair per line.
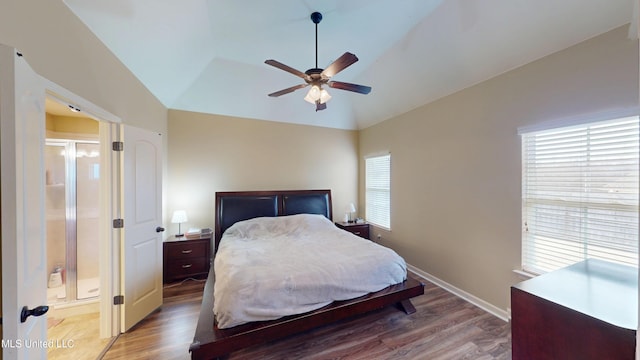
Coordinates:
x,y
580,194
378,190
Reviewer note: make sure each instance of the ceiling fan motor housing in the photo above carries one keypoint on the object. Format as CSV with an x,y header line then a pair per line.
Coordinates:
x,y
314,73
315,77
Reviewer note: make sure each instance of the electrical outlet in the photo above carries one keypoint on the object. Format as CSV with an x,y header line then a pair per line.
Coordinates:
x,y
379,237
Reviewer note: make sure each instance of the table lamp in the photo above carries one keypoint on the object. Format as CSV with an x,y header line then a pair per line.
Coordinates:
x,y
179,216
351,209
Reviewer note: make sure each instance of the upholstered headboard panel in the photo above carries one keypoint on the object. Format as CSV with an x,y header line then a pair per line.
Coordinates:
x,y
238,208
235,206
319,203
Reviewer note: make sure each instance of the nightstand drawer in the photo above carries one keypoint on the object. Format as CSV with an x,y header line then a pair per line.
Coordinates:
x,y
187,249
362,231
186,267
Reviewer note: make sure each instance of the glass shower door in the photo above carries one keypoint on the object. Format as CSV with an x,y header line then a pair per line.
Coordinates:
x,y
72,190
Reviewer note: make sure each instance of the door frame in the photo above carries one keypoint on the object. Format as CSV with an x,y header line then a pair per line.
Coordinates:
x,y
110,203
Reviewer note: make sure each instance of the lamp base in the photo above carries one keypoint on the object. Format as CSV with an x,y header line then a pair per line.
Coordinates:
x,y
179,235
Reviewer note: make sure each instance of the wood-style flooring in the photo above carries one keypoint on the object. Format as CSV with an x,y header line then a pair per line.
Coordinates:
x,y
166,333
443,327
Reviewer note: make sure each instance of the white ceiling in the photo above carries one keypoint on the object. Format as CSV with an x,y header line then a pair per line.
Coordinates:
x,y
208,55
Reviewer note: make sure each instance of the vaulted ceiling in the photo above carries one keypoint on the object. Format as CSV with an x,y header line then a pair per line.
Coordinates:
x,y
208,55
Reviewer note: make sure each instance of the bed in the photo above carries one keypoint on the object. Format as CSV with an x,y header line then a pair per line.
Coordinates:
x,y
212,342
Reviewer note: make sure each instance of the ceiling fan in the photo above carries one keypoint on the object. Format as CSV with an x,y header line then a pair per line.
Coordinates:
x,y
317,77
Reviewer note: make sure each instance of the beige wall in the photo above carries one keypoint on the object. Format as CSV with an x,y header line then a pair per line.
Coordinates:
x,y
71,125
209,153
456,162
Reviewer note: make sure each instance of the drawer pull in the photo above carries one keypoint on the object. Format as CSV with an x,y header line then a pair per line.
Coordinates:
x,y
186,266
187,251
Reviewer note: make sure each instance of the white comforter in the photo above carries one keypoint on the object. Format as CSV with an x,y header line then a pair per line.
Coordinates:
x,y
267,268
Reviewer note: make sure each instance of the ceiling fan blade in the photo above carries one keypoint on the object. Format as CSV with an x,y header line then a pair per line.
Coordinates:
x,y
361,89
288,90
287,68
340,64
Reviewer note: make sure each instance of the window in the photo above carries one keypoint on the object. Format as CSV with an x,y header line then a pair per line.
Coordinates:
x,y
580,194
378,189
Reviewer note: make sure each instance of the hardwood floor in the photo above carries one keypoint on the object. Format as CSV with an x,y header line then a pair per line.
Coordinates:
x,y
443,327
167,333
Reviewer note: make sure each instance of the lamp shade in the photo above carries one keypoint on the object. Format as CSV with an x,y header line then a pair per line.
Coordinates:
x,y
351,208
324,96
179,216
313,95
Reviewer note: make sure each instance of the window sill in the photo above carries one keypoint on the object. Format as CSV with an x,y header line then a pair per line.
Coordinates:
x,y
524,274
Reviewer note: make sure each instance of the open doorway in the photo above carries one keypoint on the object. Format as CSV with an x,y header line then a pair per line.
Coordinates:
x,y
73,214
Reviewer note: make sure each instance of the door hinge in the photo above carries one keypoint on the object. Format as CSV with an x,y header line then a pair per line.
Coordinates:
x,y
118,223
118,300
117,146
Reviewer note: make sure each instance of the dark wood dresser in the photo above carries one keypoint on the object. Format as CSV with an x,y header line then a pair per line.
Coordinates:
x,y
185,258
360,229
585,311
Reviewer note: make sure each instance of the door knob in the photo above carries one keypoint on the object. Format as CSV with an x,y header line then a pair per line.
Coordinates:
x,y
159,229
38,311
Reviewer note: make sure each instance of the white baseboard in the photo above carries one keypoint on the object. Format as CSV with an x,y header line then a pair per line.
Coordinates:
x,y
496,311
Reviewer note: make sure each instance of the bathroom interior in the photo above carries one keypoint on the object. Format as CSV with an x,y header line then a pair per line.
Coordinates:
x,y
72,182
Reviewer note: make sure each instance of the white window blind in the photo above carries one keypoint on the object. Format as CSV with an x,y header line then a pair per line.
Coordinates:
x,y
580,195
378,190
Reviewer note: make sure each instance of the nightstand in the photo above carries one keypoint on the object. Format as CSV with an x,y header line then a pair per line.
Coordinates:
x,y
185,258
360,229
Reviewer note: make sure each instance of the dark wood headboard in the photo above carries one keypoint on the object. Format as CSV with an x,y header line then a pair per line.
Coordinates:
x,y
234,206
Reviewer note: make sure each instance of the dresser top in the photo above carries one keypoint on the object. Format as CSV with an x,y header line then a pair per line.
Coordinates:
x,y
597,288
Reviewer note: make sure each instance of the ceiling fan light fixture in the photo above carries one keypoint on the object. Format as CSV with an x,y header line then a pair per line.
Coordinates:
x,y
324,96
313,94
309,99
317,94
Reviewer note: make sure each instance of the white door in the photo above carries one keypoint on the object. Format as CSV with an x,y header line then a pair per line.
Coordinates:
x,y
24,273
142,216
